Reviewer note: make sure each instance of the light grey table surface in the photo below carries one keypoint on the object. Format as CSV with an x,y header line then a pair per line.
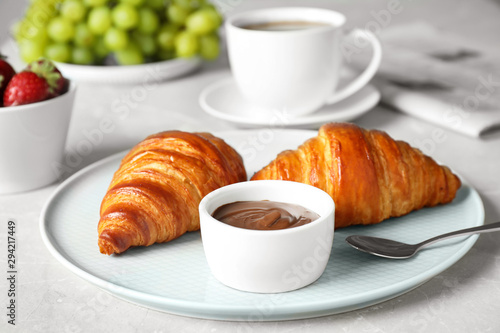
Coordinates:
x,y
463,298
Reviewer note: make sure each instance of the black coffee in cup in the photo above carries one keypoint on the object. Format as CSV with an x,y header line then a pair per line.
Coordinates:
x,y
285,25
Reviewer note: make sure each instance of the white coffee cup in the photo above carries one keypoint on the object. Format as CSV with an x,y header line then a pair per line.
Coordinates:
x,y
294,70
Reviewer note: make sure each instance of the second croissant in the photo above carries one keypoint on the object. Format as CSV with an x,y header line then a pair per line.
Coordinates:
x,y
370,176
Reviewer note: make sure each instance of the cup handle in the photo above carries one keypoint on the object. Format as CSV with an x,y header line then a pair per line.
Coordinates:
x,y
367,74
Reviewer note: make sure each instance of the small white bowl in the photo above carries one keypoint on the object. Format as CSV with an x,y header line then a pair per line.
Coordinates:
x,y
32,142
268,261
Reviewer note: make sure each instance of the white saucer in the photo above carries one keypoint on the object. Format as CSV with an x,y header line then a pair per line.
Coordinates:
x,y
223,100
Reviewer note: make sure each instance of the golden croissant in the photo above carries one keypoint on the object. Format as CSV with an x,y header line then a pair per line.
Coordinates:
x,y
370,176
154,195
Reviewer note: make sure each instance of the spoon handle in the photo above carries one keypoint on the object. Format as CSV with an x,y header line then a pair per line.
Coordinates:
x,y
490,227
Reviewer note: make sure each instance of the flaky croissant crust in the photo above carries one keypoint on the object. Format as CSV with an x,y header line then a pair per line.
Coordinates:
x,y
154,195
370,176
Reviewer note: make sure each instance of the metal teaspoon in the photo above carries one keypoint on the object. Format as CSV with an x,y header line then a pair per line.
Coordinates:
x,y
396,250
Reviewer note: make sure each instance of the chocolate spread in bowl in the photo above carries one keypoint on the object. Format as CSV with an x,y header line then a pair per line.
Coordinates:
x,y
264,215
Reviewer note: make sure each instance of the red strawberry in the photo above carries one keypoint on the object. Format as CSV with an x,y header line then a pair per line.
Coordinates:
x,y
51,73
40,80
6,73
26,88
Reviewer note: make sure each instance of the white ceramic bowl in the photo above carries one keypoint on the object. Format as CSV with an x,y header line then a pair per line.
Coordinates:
x,y
32,142
144,74
268,261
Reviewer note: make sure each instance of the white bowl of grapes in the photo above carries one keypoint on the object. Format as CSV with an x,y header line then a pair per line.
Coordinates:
x,y
120,41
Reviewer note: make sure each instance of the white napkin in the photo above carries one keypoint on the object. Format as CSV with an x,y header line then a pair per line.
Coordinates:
x,y
439,77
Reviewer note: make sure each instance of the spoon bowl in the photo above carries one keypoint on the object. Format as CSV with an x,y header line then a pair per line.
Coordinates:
x,y
396,250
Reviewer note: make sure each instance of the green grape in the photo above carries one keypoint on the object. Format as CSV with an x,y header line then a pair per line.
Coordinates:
x,y
44,5
177,14
202,22
87,31
190,4
95,3
73,10
186,4
58,52
30,50
209,47
40,12
60,29
83,35
212,10
211,6
15,29
135,3
39,19
146,43
100,49
99,20
19,30
35,20
148,21
82,56
186,44
165,54
26,30
199,3
131,55
115,39
166,37
125,16
155,4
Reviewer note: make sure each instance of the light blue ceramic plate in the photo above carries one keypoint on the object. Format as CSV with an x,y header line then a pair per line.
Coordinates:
x,y
175,277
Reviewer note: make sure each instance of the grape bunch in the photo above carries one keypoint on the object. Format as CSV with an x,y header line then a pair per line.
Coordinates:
x,y
130,32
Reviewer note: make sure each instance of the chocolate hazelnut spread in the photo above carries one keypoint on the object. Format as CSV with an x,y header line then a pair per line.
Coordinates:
x,y
264,215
